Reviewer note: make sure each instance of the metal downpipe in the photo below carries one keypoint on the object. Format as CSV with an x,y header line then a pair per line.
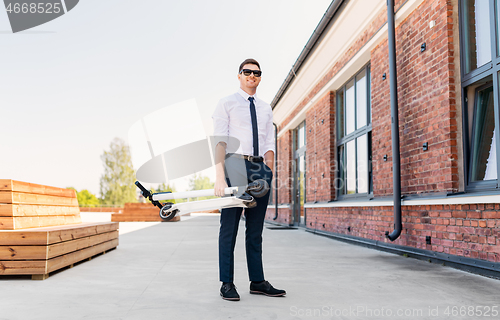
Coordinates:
x,y
275,171
396,160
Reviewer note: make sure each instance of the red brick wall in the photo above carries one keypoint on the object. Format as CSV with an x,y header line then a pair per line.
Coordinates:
x,y
320,152
284,168
427,86
284,215
367,34
358,44
462,230
427,106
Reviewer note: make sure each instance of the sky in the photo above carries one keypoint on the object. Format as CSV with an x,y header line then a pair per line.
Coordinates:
x,y
70,86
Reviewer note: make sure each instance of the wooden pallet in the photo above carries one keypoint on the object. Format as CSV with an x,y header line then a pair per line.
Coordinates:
x,y
101,209
140,212
40,251
28,205
120,217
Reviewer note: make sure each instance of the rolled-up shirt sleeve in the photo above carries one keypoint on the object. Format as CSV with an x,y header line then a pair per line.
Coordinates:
x,y
220,119
269,144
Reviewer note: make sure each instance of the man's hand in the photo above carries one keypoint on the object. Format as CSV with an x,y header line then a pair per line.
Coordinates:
x,y
269,160
220,178
220,185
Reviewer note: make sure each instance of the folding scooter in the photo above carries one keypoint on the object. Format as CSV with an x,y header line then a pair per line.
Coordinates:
x,y
235,197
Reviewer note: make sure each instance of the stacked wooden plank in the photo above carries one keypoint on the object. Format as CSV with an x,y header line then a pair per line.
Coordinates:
x,y
40,251
41,230
144,212
27,205
208,211
100,209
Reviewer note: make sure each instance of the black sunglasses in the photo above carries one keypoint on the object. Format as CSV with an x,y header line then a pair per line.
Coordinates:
x,y
247,72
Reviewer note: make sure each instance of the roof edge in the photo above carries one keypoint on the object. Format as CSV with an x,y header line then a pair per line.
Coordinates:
x,y
322,27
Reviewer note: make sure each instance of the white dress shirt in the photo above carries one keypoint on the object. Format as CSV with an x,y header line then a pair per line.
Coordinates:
x,y
232,119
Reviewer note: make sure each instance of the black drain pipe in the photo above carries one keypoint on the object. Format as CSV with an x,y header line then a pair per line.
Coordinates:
x,y
396,160
275,171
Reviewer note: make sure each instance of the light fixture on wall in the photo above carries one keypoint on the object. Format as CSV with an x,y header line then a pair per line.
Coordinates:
x,y
428,239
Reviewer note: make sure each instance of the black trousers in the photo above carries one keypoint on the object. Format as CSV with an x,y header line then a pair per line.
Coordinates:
x,y
254,217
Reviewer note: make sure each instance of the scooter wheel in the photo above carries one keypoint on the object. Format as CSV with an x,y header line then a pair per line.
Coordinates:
x,y
258,188
165,215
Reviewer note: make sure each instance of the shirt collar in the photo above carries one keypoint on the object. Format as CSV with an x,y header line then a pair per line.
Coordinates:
x,y
246,95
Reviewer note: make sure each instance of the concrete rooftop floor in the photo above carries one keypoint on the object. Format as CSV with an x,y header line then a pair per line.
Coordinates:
x,y
170,271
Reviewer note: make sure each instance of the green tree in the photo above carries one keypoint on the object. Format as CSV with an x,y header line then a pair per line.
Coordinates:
x,y
117,182
86,198
199,182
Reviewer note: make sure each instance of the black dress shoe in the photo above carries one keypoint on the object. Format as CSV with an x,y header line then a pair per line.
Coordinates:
x,y
266,288
228,292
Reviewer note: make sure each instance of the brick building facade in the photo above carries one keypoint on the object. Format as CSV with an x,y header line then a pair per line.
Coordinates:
x,y
338,97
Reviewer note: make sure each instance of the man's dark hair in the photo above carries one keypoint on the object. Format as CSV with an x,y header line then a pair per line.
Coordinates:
x,y
249,61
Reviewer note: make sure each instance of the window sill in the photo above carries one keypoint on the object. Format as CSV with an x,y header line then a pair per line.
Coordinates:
x,y
445,200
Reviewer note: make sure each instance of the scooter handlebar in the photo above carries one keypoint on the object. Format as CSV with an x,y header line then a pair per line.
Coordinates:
x,y
145,192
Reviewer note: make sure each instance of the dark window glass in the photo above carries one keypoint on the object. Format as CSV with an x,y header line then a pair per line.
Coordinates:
x,y
483,151
370,174
476,25
341,169
480,30
368,93
340,108
301,163
362,163
497,6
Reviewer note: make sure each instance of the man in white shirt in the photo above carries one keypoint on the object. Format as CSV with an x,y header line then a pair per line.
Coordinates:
x,y
250,120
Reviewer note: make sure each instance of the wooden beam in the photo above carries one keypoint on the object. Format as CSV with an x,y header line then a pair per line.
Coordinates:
x,y
22,267
30,210
19,186
139,206
27,198
144,212
39,276
13,223
70,258
62,248
140,218
23,252
54,250
44,267
54,234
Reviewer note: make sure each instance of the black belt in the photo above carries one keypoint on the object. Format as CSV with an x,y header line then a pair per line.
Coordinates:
x,y
244,156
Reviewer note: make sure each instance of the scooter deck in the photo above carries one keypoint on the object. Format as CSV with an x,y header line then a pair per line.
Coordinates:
x,y
207,205
238,198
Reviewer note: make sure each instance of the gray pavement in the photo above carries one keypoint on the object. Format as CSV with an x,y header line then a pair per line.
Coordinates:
x,y
170,271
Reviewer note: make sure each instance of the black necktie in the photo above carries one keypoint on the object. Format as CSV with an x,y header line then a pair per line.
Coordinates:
x,y
255,130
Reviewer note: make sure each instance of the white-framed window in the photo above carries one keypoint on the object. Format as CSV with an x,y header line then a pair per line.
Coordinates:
x,y
354,136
